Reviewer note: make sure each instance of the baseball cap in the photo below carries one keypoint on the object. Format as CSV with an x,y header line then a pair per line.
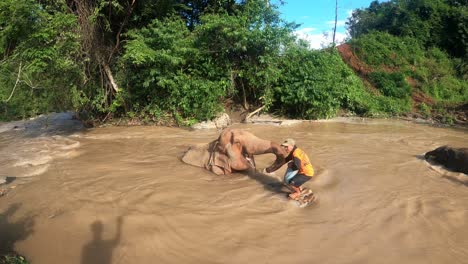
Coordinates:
x,y
289,142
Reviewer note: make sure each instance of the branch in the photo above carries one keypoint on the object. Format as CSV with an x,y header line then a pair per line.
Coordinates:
x,y
246,107
110,77
117,44
254,112
16,83
30,84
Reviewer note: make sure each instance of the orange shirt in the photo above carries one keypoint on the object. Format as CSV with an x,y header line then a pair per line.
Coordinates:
x,y
302,162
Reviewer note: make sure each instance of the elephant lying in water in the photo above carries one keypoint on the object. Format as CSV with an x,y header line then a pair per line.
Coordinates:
x,y
234,150
453,158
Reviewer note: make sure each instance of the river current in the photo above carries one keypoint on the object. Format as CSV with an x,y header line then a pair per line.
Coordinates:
x,y
122,195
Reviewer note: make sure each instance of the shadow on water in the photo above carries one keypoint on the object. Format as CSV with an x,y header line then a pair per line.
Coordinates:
x,y
12,231
99,250
269,183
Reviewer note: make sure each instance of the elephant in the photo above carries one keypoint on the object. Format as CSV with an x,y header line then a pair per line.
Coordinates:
x,y
233,151
453,158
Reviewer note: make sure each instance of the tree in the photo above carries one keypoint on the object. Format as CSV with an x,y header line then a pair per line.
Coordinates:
x,y
336,20
440,23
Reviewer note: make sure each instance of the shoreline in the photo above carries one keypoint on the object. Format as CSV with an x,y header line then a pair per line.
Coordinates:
x,y
68,122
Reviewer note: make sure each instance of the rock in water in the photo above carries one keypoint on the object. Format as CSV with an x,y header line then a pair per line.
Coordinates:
x,y
453,158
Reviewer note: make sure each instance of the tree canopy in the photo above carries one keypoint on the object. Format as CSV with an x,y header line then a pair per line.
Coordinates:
x,y
439,23
184,59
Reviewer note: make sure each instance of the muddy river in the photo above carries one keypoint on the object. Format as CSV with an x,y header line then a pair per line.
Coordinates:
x,y
122,195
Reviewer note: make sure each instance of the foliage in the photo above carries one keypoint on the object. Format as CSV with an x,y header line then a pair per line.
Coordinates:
x,y
313,84
438,23
425,109
365,103
308,86
447,89
188,71
12,259
395,59
391,84
180,60
317,84
380,48
38,59
246,44
164,70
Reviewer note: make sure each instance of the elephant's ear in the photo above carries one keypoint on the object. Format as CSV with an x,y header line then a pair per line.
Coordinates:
x,y
197,155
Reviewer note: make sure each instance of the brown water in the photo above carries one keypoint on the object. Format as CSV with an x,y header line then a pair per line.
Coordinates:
x,y
121,195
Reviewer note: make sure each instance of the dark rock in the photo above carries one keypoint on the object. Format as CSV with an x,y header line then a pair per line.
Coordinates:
x,y
455,159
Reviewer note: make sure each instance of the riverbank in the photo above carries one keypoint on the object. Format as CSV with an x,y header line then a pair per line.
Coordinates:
x,y
456,117
70,122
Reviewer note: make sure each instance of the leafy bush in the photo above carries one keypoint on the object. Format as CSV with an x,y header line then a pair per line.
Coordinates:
x,y
396,58
380,48
391,84
425,109
38,70
434,65
365,103
438,23
448,89
164,70
315,84
438,77
246,46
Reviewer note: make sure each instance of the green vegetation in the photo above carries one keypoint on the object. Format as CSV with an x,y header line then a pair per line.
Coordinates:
x,y
12,259
39,49
181,60
314,84
432,23
423,42
391,84
397,60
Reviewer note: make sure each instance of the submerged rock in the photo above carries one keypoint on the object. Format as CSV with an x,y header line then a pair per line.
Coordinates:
x,y
453,158
265,119
220,122
50,124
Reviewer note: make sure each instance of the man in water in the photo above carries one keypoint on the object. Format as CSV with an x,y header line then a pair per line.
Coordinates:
x,y
299,170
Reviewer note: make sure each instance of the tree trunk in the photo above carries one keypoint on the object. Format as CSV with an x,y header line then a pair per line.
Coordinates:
x,y
95,47
336,20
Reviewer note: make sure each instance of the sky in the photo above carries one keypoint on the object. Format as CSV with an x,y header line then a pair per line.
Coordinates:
x,y
318,17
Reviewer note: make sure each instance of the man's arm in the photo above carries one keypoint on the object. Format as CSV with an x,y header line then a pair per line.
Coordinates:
x,y
296,164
